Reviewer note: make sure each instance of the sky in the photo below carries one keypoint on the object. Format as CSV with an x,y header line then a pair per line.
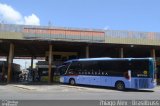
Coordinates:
x,y
134,15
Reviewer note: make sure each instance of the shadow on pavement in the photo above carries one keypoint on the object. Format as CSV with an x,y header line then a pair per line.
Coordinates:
x,y
135,90
41,83
2,84
31,83
112,88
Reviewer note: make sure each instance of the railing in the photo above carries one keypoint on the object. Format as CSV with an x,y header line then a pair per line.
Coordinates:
x,y
133,34
11,28
54,33
73,34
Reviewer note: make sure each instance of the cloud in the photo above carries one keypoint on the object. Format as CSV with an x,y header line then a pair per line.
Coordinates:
x,y
7,13
11,16
32,19
106,28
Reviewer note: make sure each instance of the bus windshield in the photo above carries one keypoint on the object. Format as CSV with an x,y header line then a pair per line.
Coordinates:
x,y
62,69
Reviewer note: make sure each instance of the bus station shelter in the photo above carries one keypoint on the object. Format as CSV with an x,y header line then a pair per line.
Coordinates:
x,y
24,41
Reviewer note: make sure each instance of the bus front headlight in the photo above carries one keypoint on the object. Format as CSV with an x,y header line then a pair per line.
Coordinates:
x,y
61,79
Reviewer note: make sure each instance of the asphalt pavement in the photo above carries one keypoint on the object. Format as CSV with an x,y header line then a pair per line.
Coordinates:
x,y
67,92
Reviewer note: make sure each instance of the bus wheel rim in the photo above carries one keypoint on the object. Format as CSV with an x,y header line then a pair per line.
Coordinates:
x,y
120,86
72,82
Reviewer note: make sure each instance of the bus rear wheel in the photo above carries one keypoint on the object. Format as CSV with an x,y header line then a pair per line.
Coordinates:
x,y
120,85
72,81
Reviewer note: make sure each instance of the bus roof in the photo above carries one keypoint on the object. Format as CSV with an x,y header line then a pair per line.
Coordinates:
x,y
106,58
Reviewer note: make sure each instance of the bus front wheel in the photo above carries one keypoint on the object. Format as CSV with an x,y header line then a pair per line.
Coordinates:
x,y
72,81
120,85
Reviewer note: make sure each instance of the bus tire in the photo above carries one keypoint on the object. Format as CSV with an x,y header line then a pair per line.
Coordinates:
x,y
120,85
72,81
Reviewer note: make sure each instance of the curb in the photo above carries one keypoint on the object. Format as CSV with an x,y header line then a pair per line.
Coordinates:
x,y
23,87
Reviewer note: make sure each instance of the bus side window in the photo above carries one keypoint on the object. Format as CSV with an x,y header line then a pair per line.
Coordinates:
x,y
89,73
82,72
96,68
99,72
85,71
138,68
95,72
86,67
104,67
102,73
92,73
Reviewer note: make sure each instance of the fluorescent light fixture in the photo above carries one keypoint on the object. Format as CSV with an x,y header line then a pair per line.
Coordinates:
x,y
132,45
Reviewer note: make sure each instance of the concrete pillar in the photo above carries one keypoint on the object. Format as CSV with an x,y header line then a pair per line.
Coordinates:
x,y
50,64
32,63
32,71
10,60
3,71
121,53
87,51
153,53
